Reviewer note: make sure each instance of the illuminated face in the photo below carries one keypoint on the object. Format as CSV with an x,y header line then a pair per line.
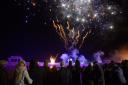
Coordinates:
x,y
22,65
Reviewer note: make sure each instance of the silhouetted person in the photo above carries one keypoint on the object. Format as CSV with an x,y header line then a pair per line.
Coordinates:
x,y
118,75
3,74
77,76
87,77
54,76
46,74
114,75
64,75
35,73
98,74
70,66
70,70
108,73
125,70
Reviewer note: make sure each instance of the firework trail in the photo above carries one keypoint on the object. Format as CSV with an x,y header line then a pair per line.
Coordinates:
x,y
70,36
74,20
82,17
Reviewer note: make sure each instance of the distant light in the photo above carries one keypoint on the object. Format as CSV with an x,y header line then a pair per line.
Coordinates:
x,y
95,15
92,64
83,20
113,13
45,23
109,8
34,4
89,1
26,16
26,21
52,60
73,9
51,67
121,12
68,16
50,10
111,27
88,15
77,19
70,59
28,8
63,5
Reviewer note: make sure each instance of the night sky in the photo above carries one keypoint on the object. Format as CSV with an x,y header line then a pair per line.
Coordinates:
x,y
38,39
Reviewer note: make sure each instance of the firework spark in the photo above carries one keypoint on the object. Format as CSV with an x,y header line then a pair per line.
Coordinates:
x,y
84,16
71,36
74,20
92,13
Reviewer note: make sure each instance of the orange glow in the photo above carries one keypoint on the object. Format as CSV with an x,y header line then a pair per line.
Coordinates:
x,y
52,60
70,35
121,54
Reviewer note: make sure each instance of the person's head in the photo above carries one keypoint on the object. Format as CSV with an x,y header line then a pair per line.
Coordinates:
x,y
21,64
33,64
77,63
124,63
62,64
46,63
70,63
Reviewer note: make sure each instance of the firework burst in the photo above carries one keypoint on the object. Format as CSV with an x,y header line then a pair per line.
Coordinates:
x,y
74,20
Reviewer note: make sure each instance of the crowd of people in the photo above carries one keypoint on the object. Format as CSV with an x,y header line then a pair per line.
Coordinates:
x,y
94,74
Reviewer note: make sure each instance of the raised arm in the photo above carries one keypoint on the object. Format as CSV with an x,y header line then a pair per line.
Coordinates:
x,y
29,80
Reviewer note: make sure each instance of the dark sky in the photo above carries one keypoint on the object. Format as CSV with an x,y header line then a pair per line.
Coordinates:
x,y
37,39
